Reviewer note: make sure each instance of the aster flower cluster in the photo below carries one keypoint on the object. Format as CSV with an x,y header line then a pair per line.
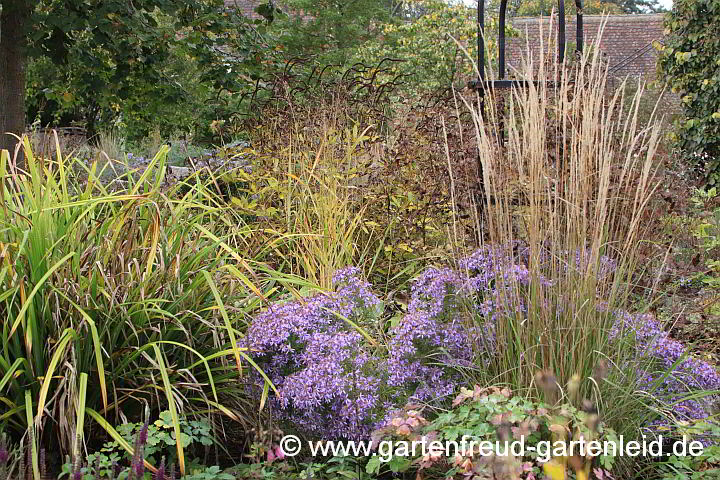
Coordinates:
x,y
679,372
451,317
329,381
334,384
432,333
327,378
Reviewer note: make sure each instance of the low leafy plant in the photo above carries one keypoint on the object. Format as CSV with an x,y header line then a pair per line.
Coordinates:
x,y
478,415
705,466
209,473
161,442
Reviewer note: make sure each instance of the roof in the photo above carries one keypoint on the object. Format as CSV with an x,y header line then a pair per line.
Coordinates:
x,y
626,42
620,18
246,7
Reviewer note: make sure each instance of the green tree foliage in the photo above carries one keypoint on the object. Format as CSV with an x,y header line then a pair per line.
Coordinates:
x,y
435,39
639,6
532,8
329,29
545,7
104,61
690,62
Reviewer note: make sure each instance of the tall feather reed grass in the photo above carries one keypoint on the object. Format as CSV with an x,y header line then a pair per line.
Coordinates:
x,y
567,170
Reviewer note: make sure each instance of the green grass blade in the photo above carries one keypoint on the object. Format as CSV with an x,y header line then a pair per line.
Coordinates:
x,y
171,407
80,415
31,430
97,346
202,360
34,291
226,319
65,338
357,327
8,375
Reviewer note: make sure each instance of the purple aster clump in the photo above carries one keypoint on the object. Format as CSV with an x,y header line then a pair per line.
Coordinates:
x,y
451,318
326,377
432,333
678,372
335,383
336,386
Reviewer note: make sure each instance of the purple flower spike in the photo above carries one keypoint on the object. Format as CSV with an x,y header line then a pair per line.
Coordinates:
x,y
160,473
139,469
143,435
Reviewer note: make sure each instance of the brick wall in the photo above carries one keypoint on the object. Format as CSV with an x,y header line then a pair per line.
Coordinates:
x,y
626,41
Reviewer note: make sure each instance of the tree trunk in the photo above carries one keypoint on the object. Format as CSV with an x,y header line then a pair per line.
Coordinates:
x,y
13,61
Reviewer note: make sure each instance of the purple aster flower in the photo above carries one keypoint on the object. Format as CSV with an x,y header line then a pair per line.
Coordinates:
x,y
329,376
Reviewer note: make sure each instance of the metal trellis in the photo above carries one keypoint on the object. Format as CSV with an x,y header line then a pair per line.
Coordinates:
x,y
483,84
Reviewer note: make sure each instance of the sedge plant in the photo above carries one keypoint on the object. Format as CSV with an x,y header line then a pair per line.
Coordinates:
x,y
128,290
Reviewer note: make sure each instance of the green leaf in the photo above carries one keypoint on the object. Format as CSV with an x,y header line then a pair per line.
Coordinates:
x,y
399,464
373,465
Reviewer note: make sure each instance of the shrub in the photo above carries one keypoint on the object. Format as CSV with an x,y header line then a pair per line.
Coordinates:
x,y
688,61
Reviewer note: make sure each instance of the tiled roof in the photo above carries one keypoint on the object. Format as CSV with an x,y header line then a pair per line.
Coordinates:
x,y
626,41
246,7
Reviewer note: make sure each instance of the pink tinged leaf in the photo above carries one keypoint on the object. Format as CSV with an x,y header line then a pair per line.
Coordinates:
x,y
403,430
279,454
